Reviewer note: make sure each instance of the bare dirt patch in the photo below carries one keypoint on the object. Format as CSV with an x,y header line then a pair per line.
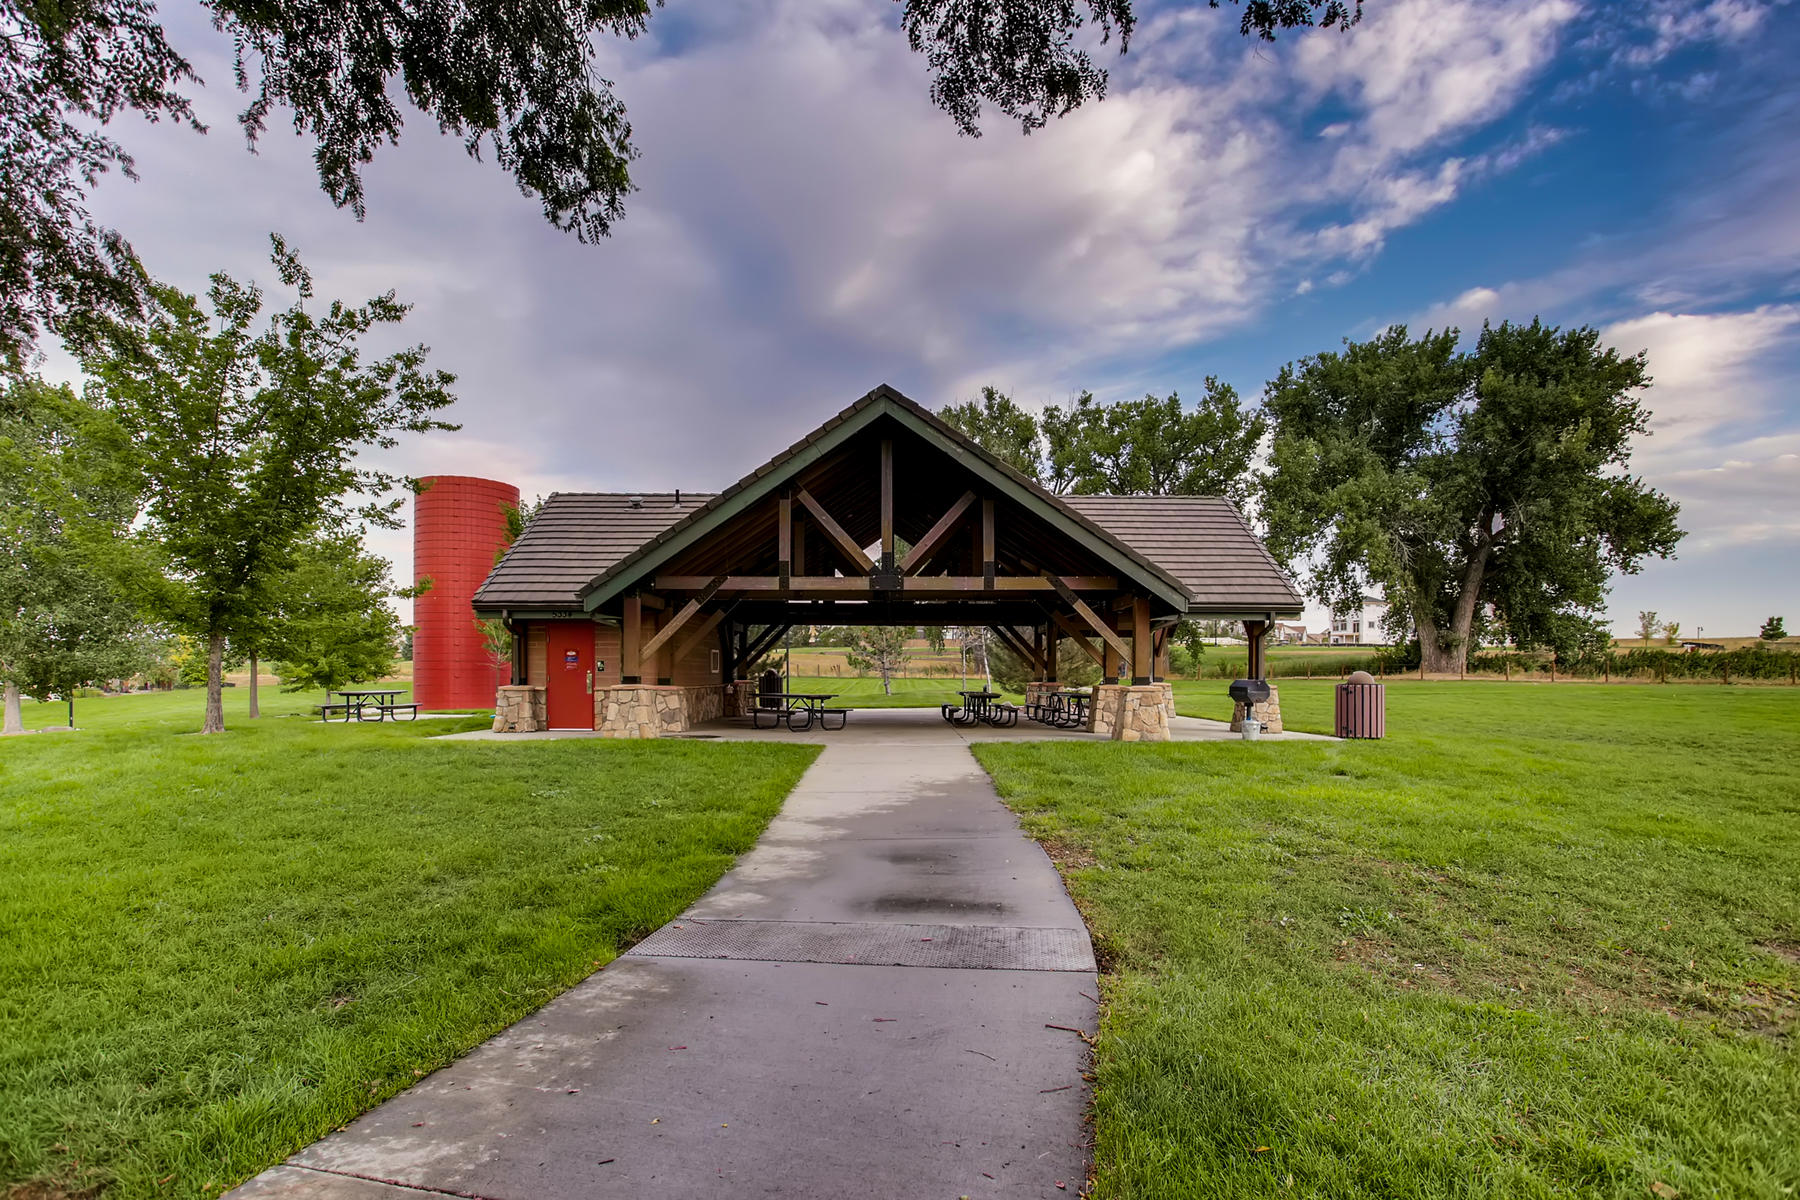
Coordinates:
x,y
1067,855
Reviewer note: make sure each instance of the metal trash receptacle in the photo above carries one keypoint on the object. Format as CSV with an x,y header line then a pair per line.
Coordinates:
x,y
1361,707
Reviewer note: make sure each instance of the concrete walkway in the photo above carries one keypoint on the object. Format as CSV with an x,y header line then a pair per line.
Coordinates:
x,y
866,1006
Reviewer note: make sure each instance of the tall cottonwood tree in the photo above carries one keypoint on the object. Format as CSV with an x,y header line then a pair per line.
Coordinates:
x,y
516,83
1459,481
998,425
249,439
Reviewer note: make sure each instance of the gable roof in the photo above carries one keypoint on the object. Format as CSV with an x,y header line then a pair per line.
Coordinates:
x,y
1198,548
572,538
1204,542
882,401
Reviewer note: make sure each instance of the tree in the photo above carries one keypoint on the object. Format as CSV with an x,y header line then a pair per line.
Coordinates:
x,y
934,637
1671,631
331,624
1001,427
1648,626
1153,446
68,493
881,649
1773,630
250,440
1459,481
519,87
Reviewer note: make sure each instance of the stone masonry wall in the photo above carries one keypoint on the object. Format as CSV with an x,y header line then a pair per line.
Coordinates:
x,y
634,710
519,708
1132,712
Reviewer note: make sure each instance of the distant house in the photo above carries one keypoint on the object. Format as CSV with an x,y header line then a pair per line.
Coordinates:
x,y
1360,626
1288,633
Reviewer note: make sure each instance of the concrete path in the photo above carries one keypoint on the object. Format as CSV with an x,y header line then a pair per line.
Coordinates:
x,y
866,1006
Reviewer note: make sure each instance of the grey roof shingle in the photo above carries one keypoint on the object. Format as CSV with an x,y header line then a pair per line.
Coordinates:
x,y
574,537
1203,541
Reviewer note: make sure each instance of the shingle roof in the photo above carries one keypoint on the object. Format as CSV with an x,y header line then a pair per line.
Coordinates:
x,y
1201,540
574,537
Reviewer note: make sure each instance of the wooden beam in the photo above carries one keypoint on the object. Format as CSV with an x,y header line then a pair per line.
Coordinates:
x,y
1075,635
1020,647
987,539
936,536
887,504
799,563
1143,651
836,533
706,626
1087,614
859,584
631,640
760,646
1253,634
784,539
681,618
653,603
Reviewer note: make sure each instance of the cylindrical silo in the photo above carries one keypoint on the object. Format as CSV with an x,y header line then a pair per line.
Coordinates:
x,y
459,522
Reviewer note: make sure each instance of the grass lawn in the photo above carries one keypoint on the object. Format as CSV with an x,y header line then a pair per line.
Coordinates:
x,y
1541,941
214,950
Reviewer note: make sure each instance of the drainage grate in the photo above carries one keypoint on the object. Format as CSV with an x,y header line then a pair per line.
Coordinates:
x,y
979,947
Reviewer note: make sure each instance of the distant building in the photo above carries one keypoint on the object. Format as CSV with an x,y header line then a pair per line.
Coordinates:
x,y
1288,633
1360,626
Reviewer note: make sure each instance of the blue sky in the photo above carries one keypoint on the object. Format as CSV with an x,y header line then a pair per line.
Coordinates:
x,y
808,226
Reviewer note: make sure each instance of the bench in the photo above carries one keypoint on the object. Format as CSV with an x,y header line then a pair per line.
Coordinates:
x,y
325,710
383,711
826,714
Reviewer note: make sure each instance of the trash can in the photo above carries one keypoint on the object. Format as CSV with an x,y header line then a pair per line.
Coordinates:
x,y
1361,707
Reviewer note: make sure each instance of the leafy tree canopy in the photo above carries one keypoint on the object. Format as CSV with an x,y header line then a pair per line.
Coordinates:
x,y
1773,630
330,624
516,84
249,440
1154,446
68,492
1459,481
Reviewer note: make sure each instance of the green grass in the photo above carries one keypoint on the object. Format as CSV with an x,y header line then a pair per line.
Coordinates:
x,y
855,691
1541,941
216,949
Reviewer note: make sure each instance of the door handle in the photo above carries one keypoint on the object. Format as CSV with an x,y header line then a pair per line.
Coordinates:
x,y
590,683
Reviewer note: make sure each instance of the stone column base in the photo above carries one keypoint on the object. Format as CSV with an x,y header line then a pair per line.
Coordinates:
x,y
1268,713
1132,712
519,708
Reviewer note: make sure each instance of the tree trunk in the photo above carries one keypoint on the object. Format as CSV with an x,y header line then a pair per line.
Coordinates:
x,y
255,712
215,685
15,718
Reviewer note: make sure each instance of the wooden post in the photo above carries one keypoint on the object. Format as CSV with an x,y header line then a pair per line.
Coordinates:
x,y
799,547
1253,638
987,541
887,504
1143,652
784,541
1052,642
631,640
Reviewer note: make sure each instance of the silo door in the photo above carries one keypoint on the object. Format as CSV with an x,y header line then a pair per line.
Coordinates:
x,y
569,682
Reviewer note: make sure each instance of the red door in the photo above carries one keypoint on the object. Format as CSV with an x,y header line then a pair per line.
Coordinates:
x,y
569,688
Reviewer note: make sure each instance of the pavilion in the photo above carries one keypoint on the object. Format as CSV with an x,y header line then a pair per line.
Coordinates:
x,y
633,613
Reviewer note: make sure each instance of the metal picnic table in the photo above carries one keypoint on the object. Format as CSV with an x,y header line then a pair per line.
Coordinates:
x,y
980,706
359,702
809,707
1065,709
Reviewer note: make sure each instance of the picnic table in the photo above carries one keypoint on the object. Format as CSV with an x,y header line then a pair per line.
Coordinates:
x,y
806,708
978,706
1065,709
360,702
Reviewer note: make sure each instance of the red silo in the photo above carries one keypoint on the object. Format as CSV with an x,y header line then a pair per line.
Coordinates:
x,y
458,524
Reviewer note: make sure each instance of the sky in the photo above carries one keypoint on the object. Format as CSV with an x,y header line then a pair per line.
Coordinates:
x,y
806,226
